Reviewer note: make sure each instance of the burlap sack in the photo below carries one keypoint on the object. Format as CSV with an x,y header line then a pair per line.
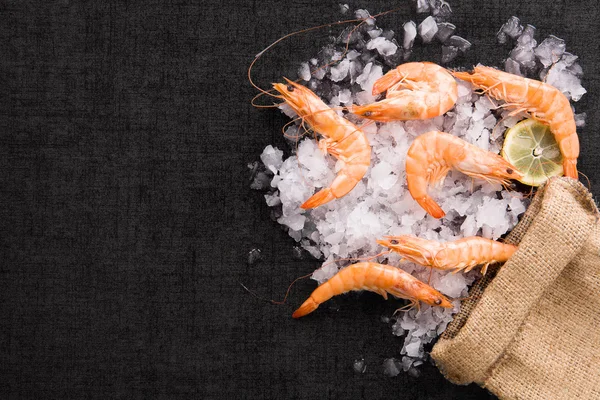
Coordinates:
x,y
532,331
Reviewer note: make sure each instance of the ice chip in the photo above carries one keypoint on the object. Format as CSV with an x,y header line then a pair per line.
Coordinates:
x,y
374,33
410,33
445,30
261,181
427,29
359,365
361,14
304,72
272,199
254,256
524,56
382,175
456,41
368,77
412,349
271,157
565,81
527,37
294,222
390,368
339,71
550,50
422,6
580,120
406,363
383,46
326,272
512,28
512,67
516,206
440,9
451,284
568,58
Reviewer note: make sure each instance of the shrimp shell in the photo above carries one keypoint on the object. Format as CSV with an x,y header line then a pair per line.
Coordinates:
x,y
344,140
540,100
378,278
416,90
434,153
462,254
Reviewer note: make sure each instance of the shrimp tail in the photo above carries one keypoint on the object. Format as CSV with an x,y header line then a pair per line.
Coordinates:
x,y
431,207
385,82
570,168
306,308
321,197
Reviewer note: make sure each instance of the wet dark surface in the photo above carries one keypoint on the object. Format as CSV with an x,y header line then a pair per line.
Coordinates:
x,y
127,216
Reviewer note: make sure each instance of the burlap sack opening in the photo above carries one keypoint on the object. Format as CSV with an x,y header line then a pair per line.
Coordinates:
x,y
532,330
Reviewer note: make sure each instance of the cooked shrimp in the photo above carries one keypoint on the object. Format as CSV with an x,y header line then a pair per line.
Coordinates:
x,y
542,101
378,278
461,254
433,154
416,90
343,140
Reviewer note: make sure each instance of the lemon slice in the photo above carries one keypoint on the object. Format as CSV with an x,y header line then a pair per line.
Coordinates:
x,y
532,149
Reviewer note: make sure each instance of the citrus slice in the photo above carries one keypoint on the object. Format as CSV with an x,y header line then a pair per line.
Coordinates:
x,y
532,149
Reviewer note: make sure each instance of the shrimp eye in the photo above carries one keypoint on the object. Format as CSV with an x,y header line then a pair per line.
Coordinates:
x,y
509,171
367,113
290,88
438,302
393,241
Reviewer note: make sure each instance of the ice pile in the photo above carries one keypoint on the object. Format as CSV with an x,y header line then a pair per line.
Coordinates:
x,y
549,61
380,204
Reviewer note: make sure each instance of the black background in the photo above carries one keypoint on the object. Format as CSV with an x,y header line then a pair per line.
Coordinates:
x,y
126,215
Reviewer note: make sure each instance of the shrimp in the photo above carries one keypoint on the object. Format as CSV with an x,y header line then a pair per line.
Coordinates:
x,y
416,90
433,154
378,278
344,140
463,254
540,100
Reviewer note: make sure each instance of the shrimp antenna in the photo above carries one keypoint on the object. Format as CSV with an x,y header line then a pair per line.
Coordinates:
x,y
355,259
383,253
408,307
589,185
259,55
274,301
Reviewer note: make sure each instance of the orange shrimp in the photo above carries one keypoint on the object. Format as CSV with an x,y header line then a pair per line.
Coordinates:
x,y
344,140
433,154
462,254
378,278
416,90
542,101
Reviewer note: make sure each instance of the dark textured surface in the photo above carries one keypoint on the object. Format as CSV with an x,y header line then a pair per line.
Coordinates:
x,y
127,216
